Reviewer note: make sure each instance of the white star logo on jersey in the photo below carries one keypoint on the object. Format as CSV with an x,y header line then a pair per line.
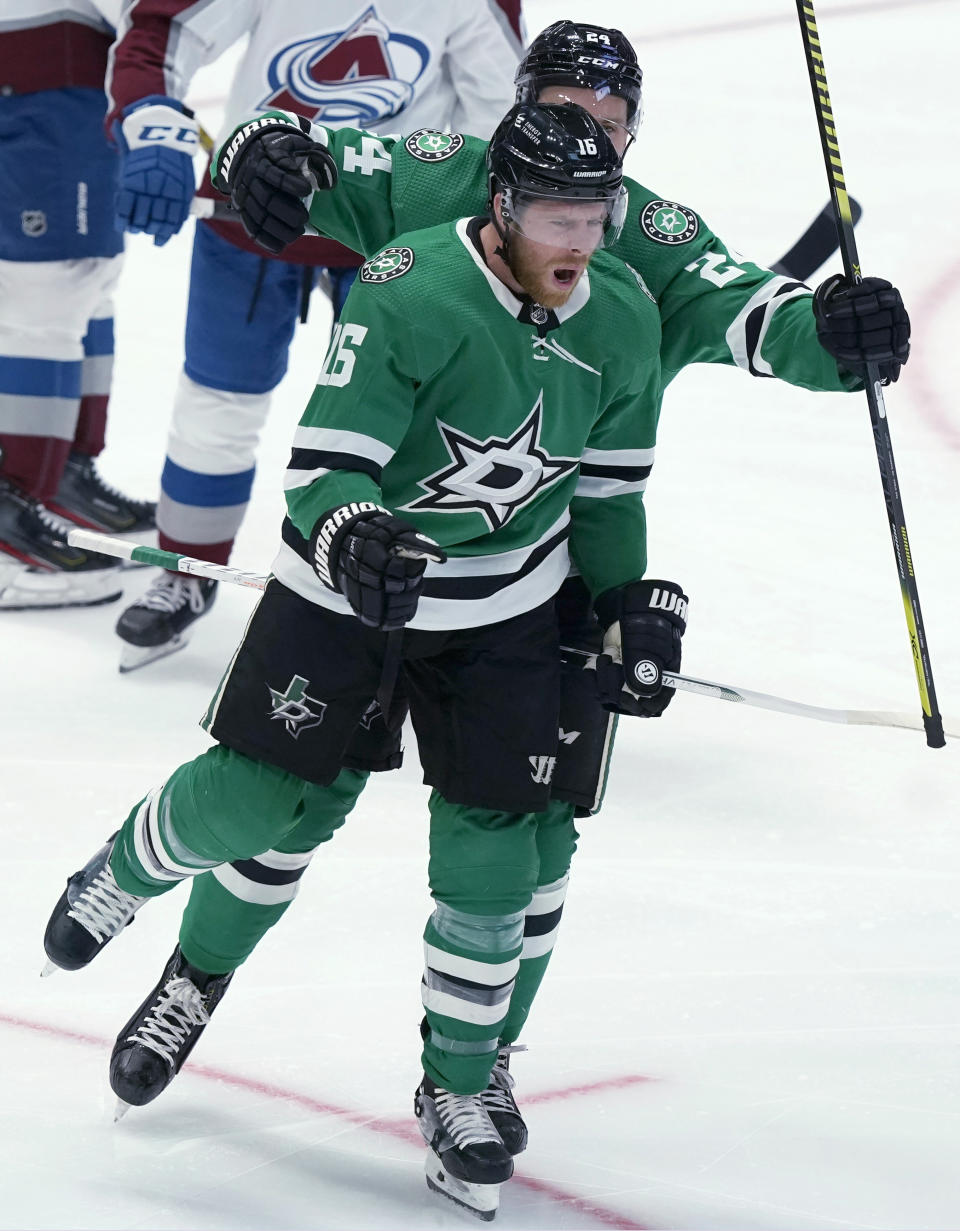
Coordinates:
x,y
493,477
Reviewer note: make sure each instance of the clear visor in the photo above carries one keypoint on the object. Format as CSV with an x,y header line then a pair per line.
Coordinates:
x,y
570,223
611,111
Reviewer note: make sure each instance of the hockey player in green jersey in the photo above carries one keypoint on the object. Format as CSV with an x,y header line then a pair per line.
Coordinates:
x,y
476,426
715,306
232,907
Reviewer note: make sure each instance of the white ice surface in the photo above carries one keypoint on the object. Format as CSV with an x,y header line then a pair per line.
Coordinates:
x,y
760,949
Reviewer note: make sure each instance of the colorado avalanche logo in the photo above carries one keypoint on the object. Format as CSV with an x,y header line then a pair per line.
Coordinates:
x,y
357,76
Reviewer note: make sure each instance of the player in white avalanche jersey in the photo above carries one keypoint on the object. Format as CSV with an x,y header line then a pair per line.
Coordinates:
x,y
390,66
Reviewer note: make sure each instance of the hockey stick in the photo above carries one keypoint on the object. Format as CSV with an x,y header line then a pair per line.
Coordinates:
x,y
815,246
742,696
706,688
932,722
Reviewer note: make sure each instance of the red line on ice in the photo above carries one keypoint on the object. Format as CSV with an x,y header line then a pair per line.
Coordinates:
x,y
401,1130
925,384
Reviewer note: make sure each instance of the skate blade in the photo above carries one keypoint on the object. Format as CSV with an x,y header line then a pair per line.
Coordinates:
x,y
133,657
480,1200
51,968
120,1110
24,588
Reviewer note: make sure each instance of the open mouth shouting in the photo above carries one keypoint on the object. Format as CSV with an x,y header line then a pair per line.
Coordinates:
x,y
566,275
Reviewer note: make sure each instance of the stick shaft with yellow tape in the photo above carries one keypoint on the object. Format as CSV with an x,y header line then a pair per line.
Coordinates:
x,y
932,722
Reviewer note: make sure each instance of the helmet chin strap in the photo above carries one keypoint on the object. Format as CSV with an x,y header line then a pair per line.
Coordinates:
x,y
503,248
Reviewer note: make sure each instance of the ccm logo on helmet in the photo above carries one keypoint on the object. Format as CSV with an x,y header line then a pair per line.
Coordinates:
x,y
598,61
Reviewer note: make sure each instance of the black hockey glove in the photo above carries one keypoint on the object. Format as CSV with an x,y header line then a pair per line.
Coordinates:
x,y
861,324
267,168
644,622
375,559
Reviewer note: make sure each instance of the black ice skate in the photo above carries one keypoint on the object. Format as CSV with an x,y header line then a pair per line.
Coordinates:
x,y
38,568
91,911
152,1046
83,497
500,1105
156,624
467,1160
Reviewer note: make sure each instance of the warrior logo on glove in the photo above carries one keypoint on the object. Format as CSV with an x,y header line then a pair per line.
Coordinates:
x,y
375,560
644,622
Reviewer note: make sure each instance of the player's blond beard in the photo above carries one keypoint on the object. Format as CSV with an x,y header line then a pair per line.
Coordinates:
x,y
532,272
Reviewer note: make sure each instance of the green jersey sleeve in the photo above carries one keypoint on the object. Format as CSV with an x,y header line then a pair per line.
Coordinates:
x,y
718,307
359,412
715,306
608,532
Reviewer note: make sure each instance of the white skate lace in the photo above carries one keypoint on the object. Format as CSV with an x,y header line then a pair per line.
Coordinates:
x,y
169,593
58,525
498,1096
103,908
178,1009
465,1118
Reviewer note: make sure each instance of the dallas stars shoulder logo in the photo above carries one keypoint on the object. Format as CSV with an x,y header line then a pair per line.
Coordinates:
x,y
666,222
390,263
292,707
493,477
430,146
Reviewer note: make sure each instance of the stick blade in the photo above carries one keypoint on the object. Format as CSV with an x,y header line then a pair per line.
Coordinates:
x,y
816,245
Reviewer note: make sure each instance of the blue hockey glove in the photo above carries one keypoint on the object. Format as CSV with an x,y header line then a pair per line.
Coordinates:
x,y
158,138
861,324
375,560
644,622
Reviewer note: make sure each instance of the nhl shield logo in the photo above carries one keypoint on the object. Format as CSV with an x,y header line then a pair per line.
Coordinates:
x,y
33,223
666,222
390,263
430,146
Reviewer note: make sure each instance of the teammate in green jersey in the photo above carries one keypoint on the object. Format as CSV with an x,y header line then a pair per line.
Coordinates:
x,y
476,427
739,314
715,306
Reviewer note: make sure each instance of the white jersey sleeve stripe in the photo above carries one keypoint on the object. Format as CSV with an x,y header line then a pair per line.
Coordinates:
x,y
747,352
337,440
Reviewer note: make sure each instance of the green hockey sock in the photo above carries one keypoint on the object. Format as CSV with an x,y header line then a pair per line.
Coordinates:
x,y
233,906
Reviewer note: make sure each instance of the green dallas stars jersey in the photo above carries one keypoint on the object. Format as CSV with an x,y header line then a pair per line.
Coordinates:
x,y
514,445
715,307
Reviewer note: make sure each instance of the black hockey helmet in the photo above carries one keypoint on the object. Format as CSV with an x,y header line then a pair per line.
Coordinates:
x,y
555,152
574,53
